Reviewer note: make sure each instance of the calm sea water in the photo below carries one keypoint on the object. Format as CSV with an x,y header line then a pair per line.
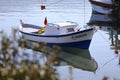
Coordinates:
x,y
11,11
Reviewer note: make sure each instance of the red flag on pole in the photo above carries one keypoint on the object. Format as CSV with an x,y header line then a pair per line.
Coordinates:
x,y
45,21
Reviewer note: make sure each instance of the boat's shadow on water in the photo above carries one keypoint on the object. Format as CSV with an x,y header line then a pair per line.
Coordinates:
x,y
78,58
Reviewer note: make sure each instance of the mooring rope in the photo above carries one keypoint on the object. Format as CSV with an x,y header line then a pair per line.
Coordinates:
x,y
104,37
107,62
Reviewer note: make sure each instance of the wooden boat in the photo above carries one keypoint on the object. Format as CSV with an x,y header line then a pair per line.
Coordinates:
x,y
66,34
102,6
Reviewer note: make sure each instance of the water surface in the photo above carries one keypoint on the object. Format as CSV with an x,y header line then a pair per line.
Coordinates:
x,y
11,11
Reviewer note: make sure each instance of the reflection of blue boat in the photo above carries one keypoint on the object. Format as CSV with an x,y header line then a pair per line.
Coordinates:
x,y
100,20
107,24
78,58
67,34
104,22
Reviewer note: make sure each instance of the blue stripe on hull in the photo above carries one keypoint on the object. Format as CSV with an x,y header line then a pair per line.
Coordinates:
x,y
38,35
81,44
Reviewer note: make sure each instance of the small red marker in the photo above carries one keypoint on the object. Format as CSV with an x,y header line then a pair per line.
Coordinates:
x,y
45,21
116,50
42,7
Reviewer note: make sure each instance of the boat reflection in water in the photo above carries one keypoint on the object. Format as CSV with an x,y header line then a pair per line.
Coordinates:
x,y
75,57
109,24
101,20
78,58
106,23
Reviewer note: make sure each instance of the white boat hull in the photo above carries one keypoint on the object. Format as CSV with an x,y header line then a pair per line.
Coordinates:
x,y
102,6
79,39
101,9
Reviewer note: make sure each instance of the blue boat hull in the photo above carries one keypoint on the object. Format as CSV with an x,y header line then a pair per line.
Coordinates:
x,y
81,44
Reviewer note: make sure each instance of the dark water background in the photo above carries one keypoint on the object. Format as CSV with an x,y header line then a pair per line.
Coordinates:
x,y
11,11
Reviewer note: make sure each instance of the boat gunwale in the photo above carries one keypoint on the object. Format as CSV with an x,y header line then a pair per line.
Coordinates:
x,y
101,4
40,35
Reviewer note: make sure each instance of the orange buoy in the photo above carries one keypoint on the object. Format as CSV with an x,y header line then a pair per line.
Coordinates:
x,y
43,7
